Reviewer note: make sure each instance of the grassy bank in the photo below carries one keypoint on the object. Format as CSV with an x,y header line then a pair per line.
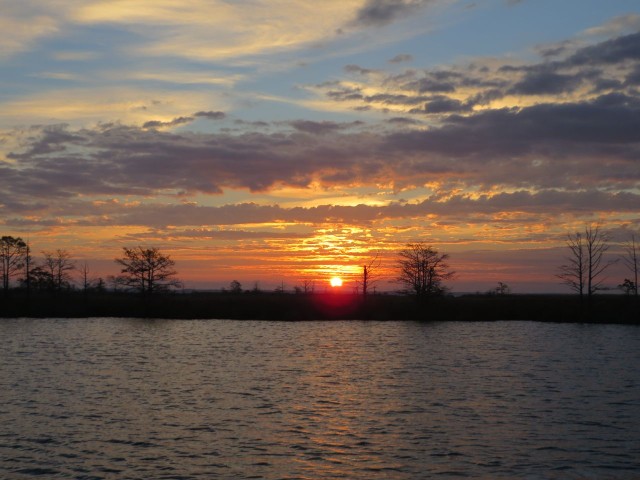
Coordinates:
x,y
279,306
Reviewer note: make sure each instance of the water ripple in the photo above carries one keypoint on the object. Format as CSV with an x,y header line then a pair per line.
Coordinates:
x,y
124,398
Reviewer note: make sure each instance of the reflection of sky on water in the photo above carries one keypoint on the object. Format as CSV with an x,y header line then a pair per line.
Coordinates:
x,y
374,400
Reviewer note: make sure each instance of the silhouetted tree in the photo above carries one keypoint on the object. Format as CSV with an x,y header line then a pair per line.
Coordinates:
x,y
280,288
628,286
101,286
12,256
40,279
423,269
235,286
369,275
308,286
502,289
87,283
586,263
27,269
632,260
59,266
147,270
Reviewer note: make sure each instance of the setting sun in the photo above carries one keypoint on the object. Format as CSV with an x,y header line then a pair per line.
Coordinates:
x,y
336,282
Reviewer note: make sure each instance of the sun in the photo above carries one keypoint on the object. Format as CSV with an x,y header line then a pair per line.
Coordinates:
x,y
335,282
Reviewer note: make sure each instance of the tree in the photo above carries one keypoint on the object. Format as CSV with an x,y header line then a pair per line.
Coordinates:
x,y
235,286
423,269
12,256
308,286
369,275
59,266
501,289
632,260
573,272
586,263
27,268
147,270
87,282
628,286
40,279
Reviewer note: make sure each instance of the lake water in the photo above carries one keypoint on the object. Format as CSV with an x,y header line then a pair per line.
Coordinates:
x,y
167,399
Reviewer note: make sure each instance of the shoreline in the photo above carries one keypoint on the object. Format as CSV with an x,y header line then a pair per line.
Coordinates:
x,y
322,306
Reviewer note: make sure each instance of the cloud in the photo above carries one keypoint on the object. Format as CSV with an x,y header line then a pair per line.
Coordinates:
x,y
322,128
440,104
82,106
22,27
521,206
217,30
210,115
615,50
172,123
567,73
382,12
357,69
400,58
616,26
591,145
544,83
212,30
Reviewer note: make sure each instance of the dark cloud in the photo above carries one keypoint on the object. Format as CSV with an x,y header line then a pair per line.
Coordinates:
x,y
603,126
435,82
543,83
210,115
555,50
184,120
592,144
173,123
633,79
616,50
400,58
357,69
317,128
403,121
472,209
605,67
446,105
382,12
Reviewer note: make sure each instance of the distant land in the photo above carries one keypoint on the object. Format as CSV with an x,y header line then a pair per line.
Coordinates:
x,y
322,306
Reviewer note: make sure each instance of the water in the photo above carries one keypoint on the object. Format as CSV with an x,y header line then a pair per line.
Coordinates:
x,y
158,399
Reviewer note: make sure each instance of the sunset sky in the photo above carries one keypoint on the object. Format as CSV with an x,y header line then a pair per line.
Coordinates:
x,y
288,140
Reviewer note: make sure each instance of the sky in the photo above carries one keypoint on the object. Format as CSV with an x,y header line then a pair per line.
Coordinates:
x,y
278,141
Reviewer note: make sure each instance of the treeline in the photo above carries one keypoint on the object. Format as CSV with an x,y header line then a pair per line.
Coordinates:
x,y
146,270
421,269
319,306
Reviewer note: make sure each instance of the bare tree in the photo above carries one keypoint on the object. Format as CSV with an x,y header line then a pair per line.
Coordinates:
x,y
586,263
307,287
12,256
59,266
423,269
147,270
369,275
573,273
27,268
84,277
632,260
